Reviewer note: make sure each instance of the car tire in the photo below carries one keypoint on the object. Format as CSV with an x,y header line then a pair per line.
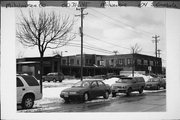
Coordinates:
x,y
27,102
85,97
164,87
141,90
106,95
114,94
129,91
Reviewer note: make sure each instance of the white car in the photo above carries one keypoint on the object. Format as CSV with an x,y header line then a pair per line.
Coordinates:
x,y
28,90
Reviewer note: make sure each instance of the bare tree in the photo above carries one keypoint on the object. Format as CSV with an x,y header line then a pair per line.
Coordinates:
x,y
134,50
115,52
46,30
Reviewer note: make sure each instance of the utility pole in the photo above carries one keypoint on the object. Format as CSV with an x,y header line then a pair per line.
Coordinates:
x,y
81,32
156,41
158,52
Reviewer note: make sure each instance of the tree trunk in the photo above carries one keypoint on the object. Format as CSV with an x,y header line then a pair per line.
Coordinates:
x,y
41,71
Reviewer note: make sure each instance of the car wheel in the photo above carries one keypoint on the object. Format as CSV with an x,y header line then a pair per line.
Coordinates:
x,y
164,87
86,97
129,91
113,94
28,102
106,95
141,90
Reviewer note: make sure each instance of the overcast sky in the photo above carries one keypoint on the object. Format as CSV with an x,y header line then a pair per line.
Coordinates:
x,y
110,29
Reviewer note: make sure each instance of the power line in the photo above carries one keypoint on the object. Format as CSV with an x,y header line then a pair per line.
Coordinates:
x,y
100,49
133,28
89,48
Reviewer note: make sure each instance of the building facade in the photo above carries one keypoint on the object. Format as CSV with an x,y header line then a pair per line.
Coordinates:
x,y
92,64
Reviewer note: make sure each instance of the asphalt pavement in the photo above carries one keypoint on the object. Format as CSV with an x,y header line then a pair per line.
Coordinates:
x,y
154,101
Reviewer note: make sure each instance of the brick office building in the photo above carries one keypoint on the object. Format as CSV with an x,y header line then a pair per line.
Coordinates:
x,y
92,64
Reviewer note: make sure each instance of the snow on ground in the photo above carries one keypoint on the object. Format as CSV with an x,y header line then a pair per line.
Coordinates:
x,y
110,81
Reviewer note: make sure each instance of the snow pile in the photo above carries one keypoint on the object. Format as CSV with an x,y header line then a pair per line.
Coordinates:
x,y
60,84
53,92
110,81
146,78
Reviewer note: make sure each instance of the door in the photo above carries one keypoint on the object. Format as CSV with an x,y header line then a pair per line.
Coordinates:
x,y
20,89
135,85
95,91
102,88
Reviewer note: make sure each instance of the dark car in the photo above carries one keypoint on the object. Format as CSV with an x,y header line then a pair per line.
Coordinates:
x,y
155,83
54,76
86,90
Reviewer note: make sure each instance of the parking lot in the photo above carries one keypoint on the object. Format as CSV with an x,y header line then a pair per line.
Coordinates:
x,y
149,101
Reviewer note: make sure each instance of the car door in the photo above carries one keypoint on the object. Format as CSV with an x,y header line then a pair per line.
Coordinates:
x,y
94,89
135,85
102,88
20,89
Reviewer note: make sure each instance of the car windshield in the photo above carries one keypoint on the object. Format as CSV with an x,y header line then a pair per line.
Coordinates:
x,y
126,80
81,84
153,80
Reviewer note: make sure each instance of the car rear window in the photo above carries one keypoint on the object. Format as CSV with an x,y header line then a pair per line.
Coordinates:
x,y
19,83
31,81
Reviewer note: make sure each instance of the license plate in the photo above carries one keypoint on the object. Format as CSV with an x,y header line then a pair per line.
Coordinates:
x,y
148,86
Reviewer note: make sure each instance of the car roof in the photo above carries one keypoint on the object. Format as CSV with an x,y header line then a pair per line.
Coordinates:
x,y
90,80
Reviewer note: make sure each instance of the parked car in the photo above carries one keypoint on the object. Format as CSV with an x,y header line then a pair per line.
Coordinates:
x,y
128,85
155,83
54,76
86,90
28,90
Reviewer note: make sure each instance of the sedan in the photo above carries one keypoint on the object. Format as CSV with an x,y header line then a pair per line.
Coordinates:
x,y
86,90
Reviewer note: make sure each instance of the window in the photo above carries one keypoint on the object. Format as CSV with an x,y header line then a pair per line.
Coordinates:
x,y
77,62
64,62
151,63
145,62
121,61
100,83
139,62
86,61
19,83
94,84
98,62
71,61
31,81
129,61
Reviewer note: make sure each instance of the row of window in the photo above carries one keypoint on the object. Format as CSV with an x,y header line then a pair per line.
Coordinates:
x,y
113,61
72,62
137,61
